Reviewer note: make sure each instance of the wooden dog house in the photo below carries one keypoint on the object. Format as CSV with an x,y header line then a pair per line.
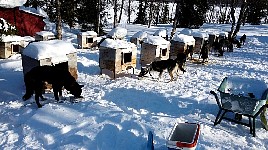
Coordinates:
x,y
54,52
138,37
199,41
212,36
116,56
11,45
154,48
118,33
44,36
180,43
87,39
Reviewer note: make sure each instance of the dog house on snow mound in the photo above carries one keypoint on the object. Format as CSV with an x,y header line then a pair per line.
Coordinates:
x,y
87,39
54,52
116,56
154,48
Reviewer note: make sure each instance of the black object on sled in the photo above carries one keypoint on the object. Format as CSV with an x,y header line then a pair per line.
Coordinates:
x,y
244,97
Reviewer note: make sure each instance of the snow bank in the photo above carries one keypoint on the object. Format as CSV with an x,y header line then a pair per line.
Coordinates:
x,y
11,3
54,49
37,11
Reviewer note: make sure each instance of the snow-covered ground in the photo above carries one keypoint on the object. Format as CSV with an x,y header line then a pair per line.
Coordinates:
x,y
118,114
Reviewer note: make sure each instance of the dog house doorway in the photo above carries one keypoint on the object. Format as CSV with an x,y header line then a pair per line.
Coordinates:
x,y
127,57
164,52
90,40
15,48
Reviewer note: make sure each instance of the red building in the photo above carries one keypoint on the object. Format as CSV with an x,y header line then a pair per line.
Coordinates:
x,y
26,23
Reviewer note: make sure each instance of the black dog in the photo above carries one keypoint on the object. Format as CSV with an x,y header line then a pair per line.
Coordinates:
x,y
169,64
243,39
58,77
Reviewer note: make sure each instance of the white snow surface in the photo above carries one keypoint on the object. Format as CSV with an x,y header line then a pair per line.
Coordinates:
x,y
117,114
118,32
12,3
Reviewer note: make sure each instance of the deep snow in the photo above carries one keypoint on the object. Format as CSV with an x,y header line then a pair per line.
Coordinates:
x,y
118,114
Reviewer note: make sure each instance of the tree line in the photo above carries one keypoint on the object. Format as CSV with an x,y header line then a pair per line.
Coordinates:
x,y
94,15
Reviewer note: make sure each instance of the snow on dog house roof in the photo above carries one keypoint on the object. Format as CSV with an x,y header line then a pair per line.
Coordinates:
x,y
45,33
156,40
161,32
187,39
115,44
118,32
54,49
93,33
140,35
186,31
200,34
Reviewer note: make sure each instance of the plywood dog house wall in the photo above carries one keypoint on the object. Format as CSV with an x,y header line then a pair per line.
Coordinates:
x,y
180,43
44,36
87,39
54,52
11,45
117,56
212,36
200,38
154,48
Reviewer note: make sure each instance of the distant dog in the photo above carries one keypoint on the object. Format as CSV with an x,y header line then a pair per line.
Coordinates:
x,y
34,81
170,65
243,39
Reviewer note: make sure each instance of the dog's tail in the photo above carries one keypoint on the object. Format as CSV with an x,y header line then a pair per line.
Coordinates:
x,y
29,87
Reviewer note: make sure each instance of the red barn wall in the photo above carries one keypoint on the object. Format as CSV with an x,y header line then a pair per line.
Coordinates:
x,y
26,23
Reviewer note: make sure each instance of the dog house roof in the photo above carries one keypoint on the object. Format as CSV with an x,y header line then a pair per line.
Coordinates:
x,y
118,32
156,40
45,33
54,49
93,33
186,31
115,44
140,34
161,32
200,34
184,38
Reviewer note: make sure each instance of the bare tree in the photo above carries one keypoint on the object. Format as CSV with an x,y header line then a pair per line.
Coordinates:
x,y
121,10
115,13
175,21
236,25
58,22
